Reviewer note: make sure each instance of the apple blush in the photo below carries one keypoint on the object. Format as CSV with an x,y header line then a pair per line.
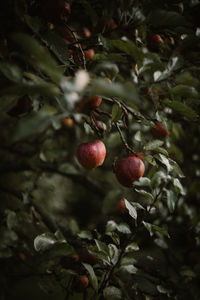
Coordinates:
x,y
129,169
92,154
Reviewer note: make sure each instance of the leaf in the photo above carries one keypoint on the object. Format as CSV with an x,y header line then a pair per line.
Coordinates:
x,y
186,78
176,168
138,136
113,253
37,55
152,228
166,19
34,23
182,109
179,188
143,181
131,269
171,200
116,113
145,194
112,293
102,247
157,178
185,91
57,46
153,144
132,208
85,234
44,241
93,278
123,228
132,247
11,71
129,48
12,220
33,123
165,161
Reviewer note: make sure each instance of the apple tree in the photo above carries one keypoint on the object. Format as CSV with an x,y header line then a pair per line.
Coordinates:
x,y
100,167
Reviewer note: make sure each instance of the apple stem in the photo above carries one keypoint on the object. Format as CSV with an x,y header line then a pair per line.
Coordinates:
x,y
128,148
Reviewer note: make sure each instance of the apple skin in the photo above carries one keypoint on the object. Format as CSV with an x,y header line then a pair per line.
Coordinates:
x,y
155,41
159,131
129,169
89,53
81,283
56,11
89,258
92,154
121,207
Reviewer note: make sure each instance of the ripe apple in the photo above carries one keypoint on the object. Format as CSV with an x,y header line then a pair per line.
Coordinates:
x,y
89,53
159,131
155,41
129,169
89,258
56,11
121,207
92,154
81,283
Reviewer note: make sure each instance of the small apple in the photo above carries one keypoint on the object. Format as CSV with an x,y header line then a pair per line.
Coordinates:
x,y
101,126
56,11
155,41
129,169
89,53
92,154
159,131
81,283
89,258
121,207
84,32
68,122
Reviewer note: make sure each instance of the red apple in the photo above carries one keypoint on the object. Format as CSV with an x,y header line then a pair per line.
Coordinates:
x,y
92,154
81,283
89,53
84,32
89,258
155,41
121,207
56,11
159,131
129,169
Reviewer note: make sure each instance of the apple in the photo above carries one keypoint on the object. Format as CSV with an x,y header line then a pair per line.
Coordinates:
x,y
68,122
129,169
56,11
159,131
84,32
121,207
100,125
92,154
89,258
155,41
81,283
89,53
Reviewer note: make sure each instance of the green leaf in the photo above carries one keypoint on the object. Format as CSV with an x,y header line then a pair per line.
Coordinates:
x,y
123,228
33,123
131,269
132,208
37,56
102,247
185,91
138,136
116,113
186,78
153,144
44,241
12,220
85,234
132,247
182,109
112,293
171,200
176,168
152,228
34,23
179,188
11,71
157,178
93,278
145,194
129,48
166,19
113,253
143,181
165,161
57,46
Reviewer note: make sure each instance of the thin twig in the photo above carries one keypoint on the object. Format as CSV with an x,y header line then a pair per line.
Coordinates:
x,y
128,148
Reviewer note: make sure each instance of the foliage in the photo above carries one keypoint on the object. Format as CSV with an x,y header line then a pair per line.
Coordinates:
x,y
58,220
